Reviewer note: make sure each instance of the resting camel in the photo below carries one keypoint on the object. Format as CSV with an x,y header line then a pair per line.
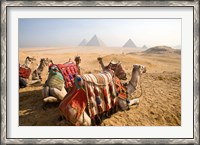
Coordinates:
x,y
115,66
93,96
28,61
56,87
25,72
36,74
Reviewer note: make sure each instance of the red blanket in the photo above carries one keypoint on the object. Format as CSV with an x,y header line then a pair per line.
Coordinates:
x,y
75,99
24,72
97,90
68,70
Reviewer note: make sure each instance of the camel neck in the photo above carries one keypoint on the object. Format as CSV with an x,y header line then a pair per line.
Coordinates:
x,y
41,67
102,65
134,78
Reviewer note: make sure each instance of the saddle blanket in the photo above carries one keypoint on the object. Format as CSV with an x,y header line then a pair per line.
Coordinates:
x,y
68,71
77,101
100,92
24,72
97,94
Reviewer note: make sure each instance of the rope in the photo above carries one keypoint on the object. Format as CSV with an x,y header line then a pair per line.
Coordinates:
x,y
140,89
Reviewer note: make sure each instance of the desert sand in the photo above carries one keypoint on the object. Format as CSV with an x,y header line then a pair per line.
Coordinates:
x,y
160,100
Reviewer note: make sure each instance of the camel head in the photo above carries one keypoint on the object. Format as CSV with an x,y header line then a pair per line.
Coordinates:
x,y
30,59
77,60
140,68
44,62
100,59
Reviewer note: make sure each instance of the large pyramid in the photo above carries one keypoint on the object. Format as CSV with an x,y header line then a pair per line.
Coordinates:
x,y
95,41
130,44
83,42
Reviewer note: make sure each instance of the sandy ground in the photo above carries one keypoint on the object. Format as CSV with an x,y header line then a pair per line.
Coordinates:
x,y
160,103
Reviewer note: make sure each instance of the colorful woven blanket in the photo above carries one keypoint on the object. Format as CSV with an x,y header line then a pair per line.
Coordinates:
x,y
100,92
55,80
75,99
24,72
96,93
68,71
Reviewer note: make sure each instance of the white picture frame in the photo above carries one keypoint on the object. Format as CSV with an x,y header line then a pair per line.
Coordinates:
x,y
6,44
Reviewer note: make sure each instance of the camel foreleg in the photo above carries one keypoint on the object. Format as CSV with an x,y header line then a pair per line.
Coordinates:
x,y
133,101
53,94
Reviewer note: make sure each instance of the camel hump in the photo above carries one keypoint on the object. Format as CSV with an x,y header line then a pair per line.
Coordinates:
x,y
114,62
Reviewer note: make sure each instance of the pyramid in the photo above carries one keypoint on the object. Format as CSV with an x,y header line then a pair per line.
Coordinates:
x,y
95,41
130,43
83,42
144,47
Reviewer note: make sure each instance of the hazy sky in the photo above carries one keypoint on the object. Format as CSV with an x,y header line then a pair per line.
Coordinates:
x,y
113,32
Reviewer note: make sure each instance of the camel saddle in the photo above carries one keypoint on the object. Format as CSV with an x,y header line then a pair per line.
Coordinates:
x,y
75,99
24,72
120,89
68,70
96,93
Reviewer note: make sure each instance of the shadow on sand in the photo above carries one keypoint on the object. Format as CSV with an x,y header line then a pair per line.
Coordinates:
x,y
32,113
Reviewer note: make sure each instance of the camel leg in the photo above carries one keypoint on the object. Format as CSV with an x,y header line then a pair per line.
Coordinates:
x,y
50,99
46,95
52,94
123,104
32,82
84,119
57,93
133,101
45,92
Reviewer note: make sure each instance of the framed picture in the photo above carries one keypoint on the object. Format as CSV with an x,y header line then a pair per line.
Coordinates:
x,y
138,56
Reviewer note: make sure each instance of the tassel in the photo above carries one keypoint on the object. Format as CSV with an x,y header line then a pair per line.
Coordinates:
x,y
98,100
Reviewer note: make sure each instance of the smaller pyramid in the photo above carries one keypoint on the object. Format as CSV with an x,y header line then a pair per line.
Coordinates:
x,y
83,43
130,44
95,41
144,47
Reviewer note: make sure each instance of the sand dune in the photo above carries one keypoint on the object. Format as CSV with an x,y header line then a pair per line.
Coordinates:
x,y
161,50
160,103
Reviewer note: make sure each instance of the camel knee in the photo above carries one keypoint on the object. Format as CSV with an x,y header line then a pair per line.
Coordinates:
x,y
85,119
57,93
50,99
134,101
45,92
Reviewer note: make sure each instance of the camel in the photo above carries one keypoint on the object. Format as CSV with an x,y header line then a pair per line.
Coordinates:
x,y
78,107
25,72
36,74
28,61
115,66
137,71
56,93
54,87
